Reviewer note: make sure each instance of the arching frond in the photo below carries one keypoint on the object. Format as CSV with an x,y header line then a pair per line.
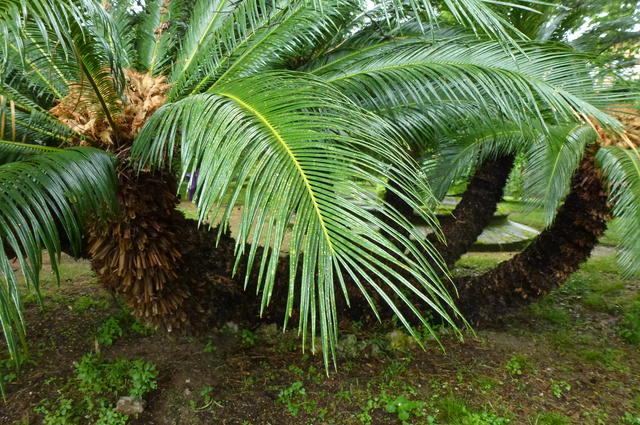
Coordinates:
x,y
459,152
621,168
12,151
160,33
20,123
538,84
256,38
479,15
551,162
41,197
299,148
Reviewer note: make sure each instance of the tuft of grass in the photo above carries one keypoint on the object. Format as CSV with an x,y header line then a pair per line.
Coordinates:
x,y
609,358
551,418
548,311
630,324
85,303
481,262
454,411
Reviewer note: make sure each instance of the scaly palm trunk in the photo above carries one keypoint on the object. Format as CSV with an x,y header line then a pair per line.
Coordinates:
x,y
550,259
171,274
475,210
472,214
166,268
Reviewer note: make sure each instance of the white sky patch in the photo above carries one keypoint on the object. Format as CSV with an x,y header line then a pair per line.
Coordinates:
x,y
581,29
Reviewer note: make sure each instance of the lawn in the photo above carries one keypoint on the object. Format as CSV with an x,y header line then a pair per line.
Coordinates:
x,y
571,358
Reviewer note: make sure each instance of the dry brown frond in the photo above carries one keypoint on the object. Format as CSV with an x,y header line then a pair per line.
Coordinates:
x,y
143,95
630,118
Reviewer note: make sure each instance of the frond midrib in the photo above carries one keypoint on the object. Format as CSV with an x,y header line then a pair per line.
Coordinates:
x,y
276,134
204,35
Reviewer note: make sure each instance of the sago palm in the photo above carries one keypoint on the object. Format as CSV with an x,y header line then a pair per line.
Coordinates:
x,y
295,109
571,171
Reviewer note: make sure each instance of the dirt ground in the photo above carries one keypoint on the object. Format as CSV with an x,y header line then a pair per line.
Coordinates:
x,y
564,360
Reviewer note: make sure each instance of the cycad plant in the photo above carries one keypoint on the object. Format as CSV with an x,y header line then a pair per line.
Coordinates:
x,y
578,174
295,109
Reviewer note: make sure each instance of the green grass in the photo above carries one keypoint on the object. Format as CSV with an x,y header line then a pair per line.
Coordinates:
x,y
525,214
551,418
454,411
522,213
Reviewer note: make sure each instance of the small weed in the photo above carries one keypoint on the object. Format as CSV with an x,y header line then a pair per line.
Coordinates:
x,y
485,383
59,413
117,326
109,416
207,400
91,394
404,408
560,388
247,337
85,303
133,377
517,364
598,417
296,370
209,347
139,328
109,331
290,397
630,419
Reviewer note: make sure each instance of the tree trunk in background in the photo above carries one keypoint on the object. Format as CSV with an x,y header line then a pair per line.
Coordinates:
x,y
472,214
475,209
549,260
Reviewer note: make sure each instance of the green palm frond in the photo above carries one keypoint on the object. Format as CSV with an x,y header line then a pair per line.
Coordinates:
x,y
551,162
459,152
40,195
34,73
263,39
621,168
479,15
74,50
12,151
538,84
125,24
299,148
203,35
20,123
161,32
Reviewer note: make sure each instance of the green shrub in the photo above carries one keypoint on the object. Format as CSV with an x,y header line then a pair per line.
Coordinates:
x,y
630,326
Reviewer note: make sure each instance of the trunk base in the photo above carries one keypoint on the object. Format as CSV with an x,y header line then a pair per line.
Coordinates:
x,y
549,260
